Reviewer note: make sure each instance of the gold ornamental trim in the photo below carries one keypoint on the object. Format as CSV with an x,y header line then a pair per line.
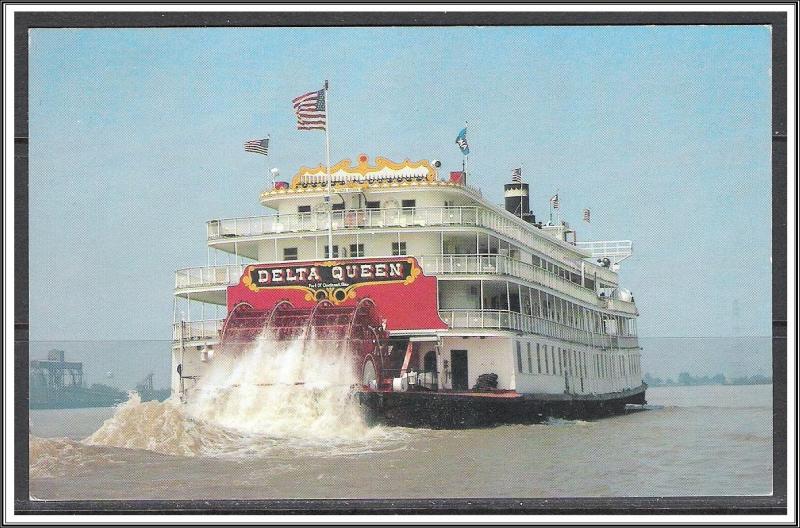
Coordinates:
x,y
335,294
363,174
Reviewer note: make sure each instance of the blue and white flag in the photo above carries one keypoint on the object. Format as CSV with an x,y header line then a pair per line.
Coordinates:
x,y
461,141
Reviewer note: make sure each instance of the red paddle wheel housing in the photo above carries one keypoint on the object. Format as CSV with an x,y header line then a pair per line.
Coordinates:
x,y
356,327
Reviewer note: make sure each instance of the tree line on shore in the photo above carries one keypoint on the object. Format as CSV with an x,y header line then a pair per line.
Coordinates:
x,y
686,379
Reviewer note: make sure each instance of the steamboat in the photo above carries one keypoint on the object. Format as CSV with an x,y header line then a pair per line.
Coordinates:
x,y
456,312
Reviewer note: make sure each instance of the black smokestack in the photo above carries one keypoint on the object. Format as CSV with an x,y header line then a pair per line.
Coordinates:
x,y
518,202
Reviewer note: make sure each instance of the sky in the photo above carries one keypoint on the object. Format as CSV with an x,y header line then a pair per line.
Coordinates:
x,y
662,131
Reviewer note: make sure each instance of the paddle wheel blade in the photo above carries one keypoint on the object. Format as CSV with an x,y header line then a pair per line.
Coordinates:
x,y
355,329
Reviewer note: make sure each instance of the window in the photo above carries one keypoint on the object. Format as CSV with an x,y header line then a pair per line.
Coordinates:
x,y
335,252
519,356
408,204
356,250
373,205
303,208
513,299
553,358
338,207
530,361
525,300
290,253
398,248
539,359
546,360
560,362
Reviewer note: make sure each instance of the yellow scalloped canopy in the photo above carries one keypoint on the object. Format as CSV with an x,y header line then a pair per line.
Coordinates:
x,y
383,171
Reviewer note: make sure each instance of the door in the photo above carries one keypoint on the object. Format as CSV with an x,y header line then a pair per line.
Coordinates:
x,y
458,362
430,375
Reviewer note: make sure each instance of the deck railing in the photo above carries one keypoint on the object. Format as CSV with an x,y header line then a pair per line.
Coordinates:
x,y
503,265
206,276
207,329
509,320
381,218
621,306
224,275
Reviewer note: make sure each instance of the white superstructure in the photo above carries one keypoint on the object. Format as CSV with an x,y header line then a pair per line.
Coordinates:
x,y
522,300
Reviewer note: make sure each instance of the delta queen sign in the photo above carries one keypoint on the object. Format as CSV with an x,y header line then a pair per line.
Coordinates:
x,y
393,284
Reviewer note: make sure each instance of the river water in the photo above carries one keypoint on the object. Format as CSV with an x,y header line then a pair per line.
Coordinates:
x,y
713,440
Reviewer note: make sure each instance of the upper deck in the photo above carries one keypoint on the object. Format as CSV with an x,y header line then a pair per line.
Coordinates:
x,y
389,198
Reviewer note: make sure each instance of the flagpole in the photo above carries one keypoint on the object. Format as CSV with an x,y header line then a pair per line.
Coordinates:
x,y
328,172
558,210
466,156
272,174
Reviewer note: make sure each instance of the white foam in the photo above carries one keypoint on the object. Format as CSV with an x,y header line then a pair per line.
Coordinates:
x,y
276,395
281,389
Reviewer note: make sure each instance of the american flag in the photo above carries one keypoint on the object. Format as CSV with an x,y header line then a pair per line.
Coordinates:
x,y
516,175
310,110
258,146
586,216
554,201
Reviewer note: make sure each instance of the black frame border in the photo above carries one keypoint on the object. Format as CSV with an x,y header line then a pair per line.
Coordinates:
x,y
772,505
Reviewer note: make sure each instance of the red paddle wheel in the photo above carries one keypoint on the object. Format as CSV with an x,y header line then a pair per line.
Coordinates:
x,y
356,329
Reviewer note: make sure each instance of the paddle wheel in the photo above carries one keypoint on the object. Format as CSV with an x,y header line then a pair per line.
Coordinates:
x,y
356,329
